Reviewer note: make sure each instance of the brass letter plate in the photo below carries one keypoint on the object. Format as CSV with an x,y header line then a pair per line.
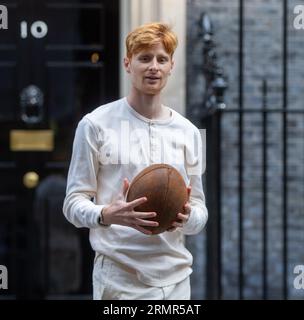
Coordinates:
x,y
31,140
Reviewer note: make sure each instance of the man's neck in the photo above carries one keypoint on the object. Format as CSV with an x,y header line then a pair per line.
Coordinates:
x,y
148,106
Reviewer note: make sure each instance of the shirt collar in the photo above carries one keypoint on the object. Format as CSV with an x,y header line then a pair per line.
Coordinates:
x,y
150,121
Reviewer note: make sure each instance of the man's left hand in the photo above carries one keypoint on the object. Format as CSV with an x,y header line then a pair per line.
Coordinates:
x,y
182,217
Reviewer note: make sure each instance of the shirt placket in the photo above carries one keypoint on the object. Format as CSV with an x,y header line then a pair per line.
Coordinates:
x,y
153,146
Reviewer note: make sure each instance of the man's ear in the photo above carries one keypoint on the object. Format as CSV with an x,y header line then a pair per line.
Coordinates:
x,y
127,62
172,64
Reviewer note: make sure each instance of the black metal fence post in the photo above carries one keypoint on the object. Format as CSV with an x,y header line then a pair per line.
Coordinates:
x,y
211,120
213,174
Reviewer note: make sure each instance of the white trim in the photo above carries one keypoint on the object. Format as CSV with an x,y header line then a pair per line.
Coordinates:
x,y
136,12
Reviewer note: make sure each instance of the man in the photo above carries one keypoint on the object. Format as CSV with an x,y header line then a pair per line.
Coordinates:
x,y
112,145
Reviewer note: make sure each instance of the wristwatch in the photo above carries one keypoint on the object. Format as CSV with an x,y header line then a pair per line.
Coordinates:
x,y
100,220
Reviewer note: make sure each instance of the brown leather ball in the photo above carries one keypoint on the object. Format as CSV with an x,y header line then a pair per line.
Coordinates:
x,y
166,194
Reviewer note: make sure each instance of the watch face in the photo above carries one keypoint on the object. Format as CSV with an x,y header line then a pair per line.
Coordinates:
x,y
99,220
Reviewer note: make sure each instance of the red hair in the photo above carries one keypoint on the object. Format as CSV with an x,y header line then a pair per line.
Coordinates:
x,y
150,34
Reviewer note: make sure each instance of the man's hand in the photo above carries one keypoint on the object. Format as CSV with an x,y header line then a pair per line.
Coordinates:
x,y
182,217
122,212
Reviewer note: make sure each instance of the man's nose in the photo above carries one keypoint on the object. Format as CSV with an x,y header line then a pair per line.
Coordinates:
x,y
154,64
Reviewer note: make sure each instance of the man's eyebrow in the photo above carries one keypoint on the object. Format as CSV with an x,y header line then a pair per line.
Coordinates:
x,y
145,54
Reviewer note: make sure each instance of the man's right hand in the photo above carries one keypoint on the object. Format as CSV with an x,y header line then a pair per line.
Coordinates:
x,y
122,212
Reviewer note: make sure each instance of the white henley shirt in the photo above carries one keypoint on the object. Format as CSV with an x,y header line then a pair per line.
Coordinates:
x,y
115,142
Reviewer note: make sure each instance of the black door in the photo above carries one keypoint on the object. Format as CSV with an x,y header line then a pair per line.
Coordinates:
x,y
58,61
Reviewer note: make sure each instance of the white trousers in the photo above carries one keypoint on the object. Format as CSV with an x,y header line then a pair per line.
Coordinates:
x,y
114,281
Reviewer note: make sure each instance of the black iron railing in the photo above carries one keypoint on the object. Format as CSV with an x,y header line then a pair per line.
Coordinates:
x,y
212,114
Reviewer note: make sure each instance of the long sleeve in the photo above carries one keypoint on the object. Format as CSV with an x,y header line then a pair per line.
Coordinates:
x,y
195,165
199,213
78,207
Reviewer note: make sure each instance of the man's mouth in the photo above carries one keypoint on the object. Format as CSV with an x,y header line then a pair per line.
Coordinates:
x,y
153,78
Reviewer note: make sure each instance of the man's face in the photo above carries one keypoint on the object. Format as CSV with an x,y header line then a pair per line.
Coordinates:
x,y
149,69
